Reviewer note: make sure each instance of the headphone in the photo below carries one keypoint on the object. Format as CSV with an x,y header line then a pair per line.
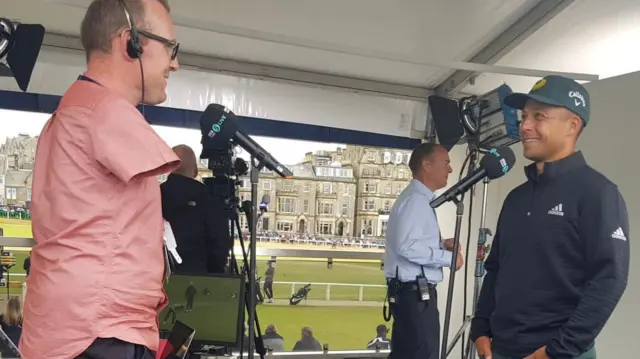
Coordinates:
x,y
134,48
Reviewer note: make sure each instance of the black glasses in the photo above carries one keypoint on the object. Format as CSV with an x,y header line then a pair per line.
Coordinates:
x,y
172,45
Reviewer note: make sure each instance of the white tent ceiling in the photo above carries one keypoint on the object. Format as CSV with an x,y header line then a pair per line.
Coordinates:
x,y
388,42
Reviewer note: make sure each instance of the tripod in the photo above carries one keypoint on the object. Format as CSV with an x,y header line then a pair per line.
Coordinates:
x,y
249,272
224,188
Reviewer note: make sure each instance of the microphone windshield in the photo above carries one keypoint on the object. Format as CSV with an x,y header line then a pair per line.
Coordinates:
x,y
217,126
498,162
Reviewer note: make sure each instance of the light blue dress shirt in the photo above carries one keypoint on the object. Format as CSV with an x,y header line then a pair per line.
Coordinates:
x,y
413,237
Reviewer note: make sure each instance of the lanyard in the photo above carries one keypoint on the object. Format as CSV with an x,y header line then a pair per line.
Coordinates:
x,y
88,79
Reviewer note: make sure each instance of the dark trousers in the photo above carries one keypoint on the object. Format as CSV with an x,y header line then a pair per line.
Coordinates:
x,y
268,289
416,326
112,348
189,303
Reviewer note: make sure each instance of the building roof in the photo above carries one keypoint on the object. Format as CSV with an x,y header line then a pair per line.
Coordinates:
x,y
302,170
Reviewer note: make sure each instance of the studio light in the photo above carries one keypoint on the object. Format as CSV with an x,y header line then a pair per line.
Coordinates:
x,y
19,49
483,122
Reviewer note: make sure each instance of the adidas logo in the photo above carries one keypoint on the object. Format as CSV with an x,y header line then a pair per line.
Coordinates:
x,y
618,234
557,210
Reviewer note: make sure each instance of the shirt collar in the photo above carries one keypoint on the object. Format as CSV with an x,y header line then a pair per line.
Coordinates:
x,y
557,168
420,187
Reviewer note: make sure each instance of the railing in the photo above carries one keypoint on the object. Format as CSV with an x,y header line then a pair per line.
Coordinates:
x,y
376,294
343,354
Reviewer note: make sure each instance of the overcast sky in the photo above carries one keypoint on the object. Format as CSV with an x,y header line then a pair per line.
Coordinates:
x,y
14,122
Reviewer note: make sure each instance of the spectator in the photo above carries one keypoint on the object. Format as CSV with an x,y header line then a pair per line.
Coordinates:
x,y
272,339
268,280
11,320
308,342
27,265
380,341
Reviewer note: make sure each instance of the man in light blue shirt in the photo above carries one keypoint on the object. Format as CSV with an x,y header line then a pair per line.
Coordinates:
x,y
415,256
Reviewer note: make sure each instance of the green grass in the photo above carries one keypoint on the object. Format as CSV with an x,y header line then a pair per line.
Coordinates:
x,y
342,328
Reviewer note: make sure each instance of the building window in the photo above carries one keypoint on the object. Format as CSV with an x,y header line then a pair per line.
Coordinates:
x,y
245,183
369,171
324,228
371,156
389,172
367,227
305,206
287,185
387,206
286,205
346,189
326,188
266,186
369,205
370,187
383,228
306,187
399,189
401,173
284,226
325,208
345,209
387,188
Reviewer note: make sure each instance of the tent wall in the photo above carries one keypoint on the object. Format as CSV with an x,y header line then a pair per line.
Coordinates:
x,y
295,111
608,143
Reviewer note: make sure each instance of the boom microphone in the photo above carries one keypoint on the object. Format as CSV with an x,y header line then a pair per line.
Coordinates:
x,y
493,165
218,126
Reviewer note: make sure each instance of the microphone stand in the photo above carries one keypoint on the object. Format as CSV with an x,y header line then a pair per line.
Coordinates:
x,y
446,349
483,248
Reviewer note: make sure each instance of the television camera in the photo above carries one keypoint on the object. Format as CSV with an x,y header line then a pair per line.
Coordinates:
x,y
19,49
487,126
220,136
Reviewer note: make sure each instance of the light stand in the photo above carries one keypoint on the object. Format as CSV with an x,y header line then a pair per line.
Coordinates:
x,y
481,254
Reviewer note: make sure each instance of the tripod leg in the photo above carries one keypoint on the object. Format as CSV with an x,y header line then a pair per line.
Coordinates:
x,y
258,341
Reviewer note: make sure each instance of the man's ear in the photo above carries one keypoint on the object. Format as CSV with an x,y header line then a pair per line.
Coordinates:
x,y
576,125
426,164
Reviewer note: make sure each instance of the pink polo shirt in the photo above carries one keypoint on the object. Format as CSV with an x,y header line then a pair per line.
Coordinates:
x,y
97,269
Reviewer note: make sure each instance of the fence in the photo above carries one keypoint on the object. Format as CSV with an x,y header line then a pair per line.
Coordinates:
x,y
333,291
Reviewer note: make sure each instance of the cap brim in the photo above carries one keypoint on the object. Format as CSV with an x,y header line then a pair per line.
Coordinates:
x,y
518,100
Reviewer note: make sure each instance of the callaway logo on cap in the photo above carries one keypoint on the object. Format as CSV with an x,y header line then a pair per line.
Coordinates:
x,y
555,91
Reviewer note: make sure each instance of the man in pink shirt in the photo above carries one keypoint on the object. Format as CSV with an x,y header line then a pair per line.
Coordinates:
x,y
96,281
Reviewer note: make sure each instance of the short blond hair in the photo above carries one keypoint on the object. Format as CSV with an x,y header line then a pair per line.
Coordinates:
x,y
105,18
13,312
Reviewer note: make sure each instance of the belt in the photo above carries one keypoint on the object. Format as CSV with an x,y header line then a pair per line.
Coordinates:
x,y
414,286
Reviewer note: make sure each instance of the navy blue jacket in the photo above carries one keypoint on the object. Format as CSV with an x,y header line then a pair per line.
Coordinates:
x,y
558,265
